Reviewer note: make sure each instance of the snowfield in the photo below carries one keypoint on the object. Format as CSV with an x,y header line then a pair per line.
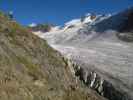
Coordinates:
x,y
100,51
112,60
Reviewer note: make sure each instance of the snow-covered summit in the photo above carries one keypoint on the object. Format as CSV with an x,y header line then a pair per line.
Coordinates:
x,y
73,22
92,26
88,19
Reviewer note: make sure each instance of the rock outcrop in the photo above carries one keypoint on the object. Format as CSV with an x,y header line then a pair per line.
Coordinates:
x,y
96,82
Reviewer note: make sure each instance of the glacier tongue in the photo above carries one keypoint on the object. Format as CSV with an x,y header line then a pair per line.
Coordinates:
x,y
94,45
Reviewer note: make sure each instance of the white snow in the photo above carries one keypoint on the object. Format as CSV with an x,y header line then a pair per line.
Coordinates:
x,y
32,25
90,46
73,22
56,28
88,19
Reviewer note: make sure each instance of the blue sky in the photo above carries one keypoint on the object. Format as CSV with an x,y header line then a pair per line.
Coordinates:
x,y
59,11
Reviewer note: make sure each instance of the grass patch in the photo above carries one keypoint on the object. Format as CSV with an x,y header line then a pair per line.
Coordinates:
x,y
33,69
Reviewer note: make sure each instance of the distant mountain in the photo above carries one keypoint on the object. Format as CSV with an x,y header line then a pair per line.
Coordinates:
x,y
75,29
120,22
115,22
40,27
86,19
100,23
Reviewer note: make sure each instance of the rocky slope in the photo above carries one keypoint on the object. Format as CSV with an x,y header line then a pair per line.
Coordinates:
x,y
32,70
101,51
